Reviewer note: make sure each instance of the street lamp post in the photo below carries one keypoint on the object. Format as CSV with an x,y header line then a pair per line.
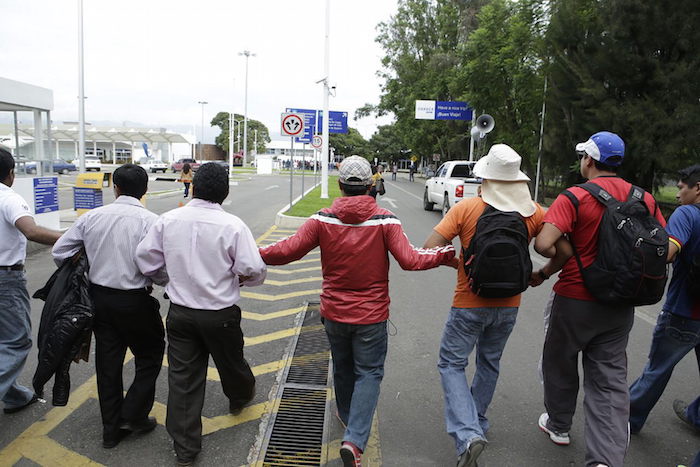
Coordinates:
x,y
247,55
81,92
201,141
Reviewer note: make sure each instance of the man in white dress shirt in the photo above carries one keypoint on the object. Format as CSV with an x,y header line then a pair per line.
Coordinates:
x,y
16,226
209,254
126,315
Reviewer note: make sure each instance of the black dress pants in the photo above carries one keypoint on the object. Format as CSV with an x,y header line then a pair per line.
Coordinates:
x,y
193,335
126,319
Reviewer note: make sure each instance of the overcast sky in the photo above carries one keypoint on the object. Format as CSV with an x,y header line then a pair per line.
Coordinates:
x,y
151,61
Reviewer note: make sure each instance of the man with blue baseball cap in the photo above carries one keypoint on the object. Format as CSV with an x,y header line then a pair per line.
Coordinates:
x,y
578,322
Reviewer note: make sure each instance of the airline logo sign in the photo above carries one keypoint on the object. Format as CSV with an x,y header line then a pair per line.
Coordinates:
x,y
443,110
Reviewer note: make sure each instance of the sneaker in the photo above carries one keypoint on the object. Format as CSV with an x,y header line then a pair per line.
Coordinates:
x,y
350,454
681,409
468,457
559,438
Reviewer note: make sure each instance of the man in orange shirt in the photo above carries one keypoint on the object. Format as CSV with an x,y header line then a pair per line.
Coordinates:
x,y
476,320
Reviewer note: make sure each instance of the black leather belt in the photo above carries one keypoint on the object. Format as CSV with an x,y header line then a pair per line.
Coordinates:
x,y
14,267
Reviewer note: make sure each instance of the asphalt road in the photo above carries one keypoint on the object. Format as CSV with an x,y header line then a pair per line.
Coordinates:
x,y
410,413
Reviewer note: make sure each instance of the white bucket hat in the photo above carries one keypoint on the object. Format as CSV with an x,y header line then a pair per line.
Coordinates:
x,y
504,186
501,163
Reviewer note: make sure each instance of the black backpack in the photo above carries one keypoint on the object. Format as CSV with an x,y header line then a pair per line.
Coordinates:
x,y
497,260
630,268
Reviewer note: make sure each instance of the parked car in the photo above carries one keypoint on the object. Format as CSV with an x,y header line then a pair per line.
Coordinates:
x,y
153,165
452,182
59,166
177,166
91,163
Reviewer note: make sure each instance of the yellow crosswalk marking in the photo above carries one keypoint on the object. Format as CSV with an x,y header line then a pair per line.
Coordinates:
x,y
273,297
291,282
267,316
293,271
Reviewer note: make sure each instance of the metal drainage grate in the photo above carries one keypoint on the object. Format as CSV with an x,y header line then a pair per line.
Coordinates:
x,y
310,362
297,434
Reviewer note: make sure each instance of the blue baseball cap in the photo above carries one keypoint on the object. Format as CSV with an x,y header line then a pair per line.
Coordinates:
x,y
605,147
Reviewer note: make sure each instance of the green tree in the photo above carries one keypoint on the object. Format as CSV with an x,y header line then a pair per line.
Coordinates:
x,y
222,121
501,73
386,143
610,71
347,144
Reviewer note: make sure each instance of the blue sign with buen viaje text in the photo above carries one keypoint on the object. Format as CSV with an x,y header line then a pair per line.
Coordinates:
x,y
452,110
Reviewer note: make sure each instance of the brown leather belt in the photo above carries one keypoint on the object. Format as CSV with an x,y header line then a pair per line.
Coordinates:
x,y
14,267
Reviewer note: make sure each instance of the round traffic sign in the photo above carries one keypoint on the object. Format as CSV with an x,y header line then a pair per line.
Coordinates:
x,y
317,142
292,125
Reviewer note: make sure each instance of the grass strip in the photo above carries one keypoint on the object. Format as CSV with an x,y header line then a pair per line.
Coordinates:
x,y
312,202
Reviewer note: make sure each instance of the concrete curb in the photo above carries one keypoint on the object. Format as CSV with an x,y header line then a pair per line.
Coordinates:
x,y
292,222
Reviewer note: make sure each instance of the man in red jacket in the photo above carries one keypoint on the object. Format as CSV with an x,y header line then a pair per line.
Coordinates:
x,y
355,235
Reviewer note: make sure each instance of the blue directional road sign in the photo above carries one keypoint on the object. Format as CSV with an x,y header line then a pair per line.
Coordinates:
x,y
338,123
452,110
309,124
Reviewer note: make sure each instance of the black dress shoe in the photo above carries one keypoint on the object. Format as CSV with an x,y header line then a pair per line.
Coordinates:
x,y
182,462
109,443
141,427
34,399
237,407
681,409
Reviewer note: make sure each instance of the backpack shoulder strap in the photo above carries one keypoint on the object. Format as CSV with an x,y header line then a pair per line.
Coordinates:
x,y
599,193
572,198
636,193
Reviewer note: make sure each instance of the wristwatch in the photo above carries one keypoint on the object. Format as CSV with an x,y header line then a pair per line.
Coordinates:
x,y
542,275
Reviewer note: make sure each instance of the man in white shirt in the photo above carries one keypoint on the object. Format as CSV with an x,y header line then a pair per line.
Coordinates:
x,y
16,226
209,254
126,315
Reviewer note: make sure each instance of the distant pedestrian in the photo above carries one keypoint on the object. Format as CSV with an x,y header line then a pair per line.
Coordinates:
x,y
209,254
377,182
126,315
16,227
394,171
483,322
677,329
186,177
355,236
582,323
411,171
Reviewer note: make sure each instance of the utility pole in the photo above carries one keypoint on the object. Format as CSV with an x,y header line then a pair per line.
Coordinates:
x,y
201,141
247,55
81,92
326,116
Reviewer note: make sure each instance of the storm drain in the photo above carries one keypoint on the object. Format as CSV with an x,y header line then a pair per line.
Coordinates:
x,y
297,433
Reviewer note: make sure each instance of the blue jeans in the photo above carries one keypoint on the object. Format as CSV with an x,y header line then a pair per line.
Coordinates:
x,y
359,351
674,336
487,329
15,337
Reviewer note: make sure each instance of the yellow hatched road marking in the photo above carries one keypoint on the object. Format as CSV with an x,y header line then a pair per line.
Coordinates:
x,y
293,271
291,282
262,238
213,373
273,298
266,316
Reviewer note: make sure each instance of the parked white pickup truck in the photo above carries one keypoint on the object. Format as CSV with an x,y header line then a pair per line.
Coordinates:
x,y
452,182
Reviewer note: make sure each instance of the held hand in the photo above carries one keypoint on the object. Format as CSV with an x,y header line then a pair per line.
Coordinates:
x,y
454,263
537,278
243,279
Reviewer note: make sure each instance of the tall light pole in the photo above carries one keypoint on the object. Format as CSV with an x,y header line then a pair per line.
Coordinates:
x,y
201,141
81,92
326,115
247,55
